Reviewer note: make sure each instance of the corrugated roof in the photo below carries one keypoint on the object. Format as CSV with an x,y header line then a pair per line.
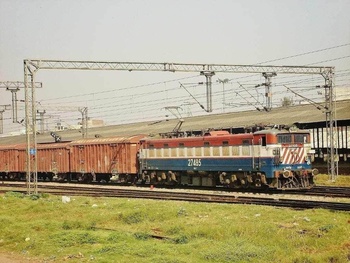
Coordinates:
x,y
283,115
121,139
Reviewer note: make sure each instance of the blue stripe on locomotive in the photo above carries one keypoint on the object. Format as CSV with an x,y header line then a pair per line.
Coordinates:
x,y
220,165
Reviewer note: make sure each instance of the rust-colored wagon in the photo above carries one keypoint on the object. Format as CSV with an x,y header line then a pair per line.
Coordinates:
x,y
105,159
9,161
53,160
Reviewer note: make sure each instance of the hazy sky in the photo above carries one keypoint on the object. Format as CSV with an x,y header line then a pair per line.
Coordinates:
x,y
224,32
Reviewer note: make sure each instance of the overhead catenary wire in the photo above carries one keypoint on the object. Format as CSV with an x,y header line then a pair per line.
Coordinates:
x,y
124,88
135,96
318,106
193,97
295,81
250,94
264,62
107,100
305,53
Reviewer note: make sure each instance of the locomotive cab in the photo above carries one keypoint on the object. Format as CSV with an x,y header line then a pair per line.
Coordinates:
x,y
286,158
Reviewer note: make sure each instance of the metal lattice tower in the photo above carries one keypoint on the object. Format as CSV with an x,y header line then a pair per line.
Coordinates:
x,y
84,121
208,70
2,110
41,119
30,122
268,93
15,86
331,126
208,75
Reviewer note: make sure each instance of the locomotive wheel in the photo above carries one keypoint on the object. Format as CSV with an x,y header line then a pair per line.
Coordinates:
x,y
235,184
244,183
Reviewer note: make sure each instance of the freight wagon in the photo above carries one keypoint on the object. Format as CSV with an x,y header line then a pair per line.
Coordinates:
x,y
103,159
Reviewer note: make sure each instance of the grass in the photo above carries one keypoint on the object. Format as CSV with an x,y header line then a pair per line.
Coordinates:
x,y
341,180
136,230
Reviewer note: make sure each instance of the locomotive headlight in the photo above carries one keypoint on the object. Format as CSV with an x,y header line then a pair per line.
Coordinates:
x,y
287,173
314,171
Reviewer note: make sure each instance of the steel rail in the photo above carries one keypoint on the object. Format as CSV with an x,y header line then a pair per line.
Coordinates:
x,y
191,197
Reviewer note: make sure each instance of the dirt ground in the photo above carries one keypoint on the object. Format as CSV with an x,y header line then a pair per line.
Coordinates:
x,y
12,258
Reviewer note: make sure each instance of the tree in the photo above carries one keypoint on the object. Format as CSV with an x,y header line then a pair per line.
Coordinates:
x,y
286,102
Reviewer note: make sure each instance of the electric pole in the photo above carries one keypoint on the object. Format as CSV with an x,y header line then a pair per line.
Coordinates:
x,y
41,119
267,84
2,110
208,75
14,86
223,81
84,121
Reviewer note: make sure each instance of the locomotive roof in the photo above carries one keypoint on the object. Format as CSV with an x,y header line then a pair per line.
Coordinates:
x,y
278,131
213,136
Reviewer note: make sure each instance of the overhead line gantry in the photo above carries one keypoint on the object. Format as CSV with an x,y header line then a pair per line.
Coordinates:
x,y
31,66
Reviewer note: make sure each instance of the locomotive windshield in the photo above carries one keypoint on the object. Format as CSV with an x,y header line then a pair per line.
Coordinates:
x,y
300,138
284,138
292,138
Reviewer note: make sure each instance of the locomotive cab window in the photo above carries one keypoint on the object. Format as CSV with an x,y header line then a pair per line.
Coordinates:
x,y
284,138
225,143
206,144
300,138
263,141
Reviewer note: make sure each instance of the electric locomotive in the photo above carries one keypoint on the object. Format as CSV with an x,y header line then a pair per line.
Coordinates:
x,y
268,158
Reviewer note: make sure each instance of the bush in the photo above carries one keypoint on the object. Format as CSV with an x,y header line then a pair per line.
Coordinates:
x,y
74,239
132,218
68,225
141,236
181,240
14,194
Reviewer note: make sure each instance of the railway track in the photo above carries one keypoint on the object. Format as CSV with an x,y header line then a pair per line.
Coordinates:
x,y
193,196
332,191
324,191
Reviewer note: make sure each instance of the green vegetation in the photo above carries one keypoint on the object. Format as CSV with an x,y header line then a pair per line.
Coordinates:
x,y
136,230
323,179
